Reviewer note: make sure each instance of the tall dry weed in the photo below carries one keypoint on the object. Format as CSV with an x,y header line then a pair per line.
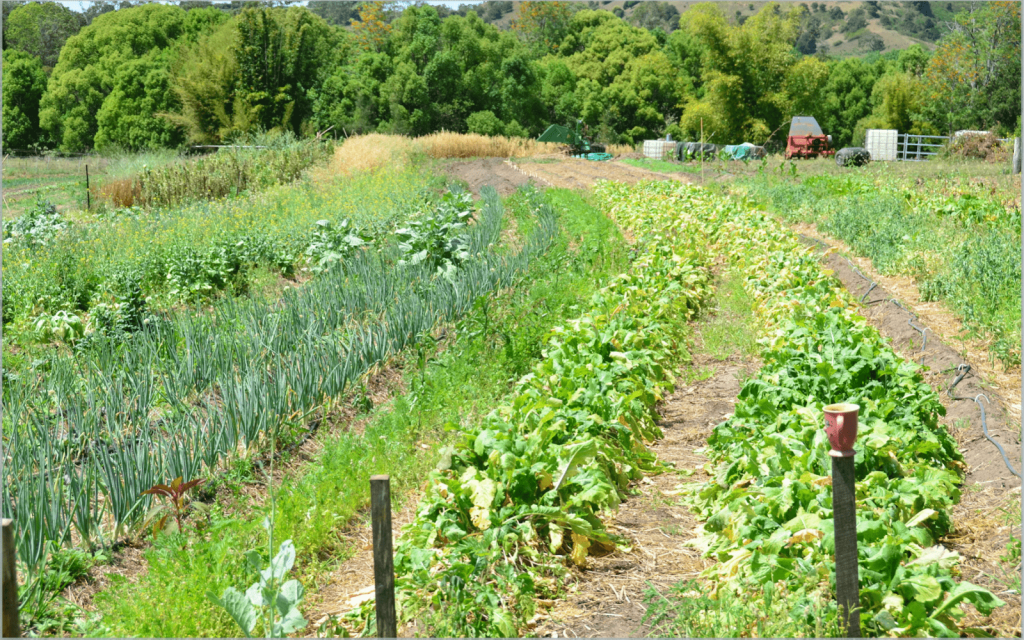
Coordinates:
x,y
369,153
472,145
122,193
373,151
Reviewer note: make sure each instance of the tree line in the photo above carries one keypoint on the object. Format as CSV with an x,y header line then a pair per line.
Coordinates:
x,y
156,75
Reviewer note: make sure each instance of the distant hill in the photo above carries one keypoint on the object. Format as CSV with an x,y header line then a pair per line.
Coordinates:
x,y
838,28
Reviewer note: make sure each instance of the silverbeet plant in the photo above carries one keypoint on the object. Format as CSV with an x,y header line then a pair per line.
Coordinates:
x,y
271,600
436,238
332,243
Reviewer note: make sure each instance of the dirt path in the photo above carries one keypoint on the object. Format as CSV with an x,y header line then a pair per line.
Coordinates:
x,y
486,171
607,600
574,173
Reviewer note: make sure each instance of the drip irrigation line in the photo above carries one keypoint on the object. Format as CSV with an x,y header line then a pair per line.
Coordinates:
x,y
984,429
873,285
924,336
962,370
897,303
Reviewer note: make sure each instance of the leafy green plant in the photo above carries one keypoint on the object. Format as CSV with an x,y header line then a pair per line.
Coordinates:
x,y
37,226
175,502
434,239
63,325
272,601
332,243
688,611
767,510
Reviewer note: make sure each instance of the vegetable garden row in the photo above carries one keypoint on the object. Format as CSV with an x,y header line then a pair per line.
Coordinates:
x,y
535,480
178,397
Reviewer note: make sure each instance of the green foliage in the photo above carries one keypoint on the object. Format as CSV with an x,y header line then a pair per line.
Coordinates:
x,y
112,77
742,74
485,123
846,99
531,481
959,248
209,246
767,509
272,601
24,82
332,243
37,227
973,77
40,30
688,611
459,384
434,239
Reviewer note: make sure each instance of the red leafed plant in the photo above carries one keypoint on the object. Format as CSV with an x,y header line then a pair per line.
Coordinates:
x,y
175,504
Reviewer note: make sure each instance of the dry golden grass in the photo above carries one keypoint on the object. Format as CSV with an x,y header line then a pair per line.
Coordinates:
x,y
122,193
472,145
369,153
373,151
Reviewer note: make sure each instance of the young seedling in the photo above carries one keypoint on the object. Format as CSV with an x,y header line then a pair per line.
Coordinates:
x,y
175,503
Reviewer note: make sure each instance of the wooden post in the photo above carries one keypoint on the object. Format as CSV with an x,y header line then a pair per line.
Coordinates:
x,y
1016,156
12,626
844,514
383,560
702,151
88,198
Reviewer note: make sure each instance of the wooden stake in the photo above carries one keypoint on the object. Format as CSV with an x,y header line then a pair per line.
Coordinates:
x,y
844,514
702,151
383,560
11,624
88,199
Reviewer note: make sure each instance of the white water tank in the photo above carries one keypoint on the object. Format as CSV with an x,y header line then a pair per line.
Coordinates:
x,y
658,149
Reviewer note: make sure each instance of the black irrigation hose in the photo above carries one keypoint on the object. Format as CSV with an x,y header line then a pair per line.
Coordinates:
x,y
962,370
984,429
873,285
924,344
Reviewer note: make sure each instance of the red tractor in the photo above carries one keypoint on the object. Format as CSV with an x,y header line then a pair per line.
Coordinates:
x,y
806,139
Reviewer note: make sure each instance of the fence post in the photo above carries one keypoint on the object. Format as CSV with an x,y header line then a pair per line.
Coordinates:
x,y
1016,156
88,197
906,142
841,428
11,624
383,560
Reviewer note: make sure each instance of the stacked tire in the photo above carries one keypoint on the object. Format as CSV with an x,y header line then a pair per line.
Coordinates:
x,y
853,157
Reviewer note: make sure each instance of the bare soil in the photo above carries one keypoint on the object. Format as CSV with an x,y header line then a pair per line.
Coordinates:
x,y
486,172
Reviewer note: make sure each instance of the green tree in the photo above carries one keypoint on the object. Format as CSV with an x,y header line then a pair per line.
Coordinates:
x,y
805,87
744,71
621,78
485,123
973,77
262,71
278,53
23,84
101,58
543,25
40,29
846,98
